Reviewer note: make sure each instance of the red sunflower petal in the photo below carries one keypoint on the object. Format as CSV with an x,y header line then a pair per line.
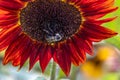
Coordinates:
x,y
99,13
4,23
77,50
45,56
11,4
5,32
86,44
4,28
99,22
8,36
15,49
84,3
75,58
26,54
16,60
96,5
95,32
21,57
34,56
96,8
81,2
26,0
63,59
4,11
6,17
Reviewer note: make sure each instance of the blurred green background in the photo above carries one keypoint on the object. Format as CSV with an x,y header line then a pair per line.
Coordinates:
x,y
95,68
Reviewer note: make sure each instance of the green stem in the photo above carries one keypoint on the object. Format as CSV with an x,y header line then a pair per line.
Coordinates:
x,y
53,71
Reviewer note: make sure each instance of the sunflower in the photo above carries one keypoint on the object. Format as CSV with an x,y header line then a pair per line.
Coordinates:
x,y
64,30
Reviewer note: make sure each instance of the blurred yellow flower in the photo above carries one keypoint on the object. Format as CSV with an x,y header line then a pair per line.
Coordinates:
x,y
97,66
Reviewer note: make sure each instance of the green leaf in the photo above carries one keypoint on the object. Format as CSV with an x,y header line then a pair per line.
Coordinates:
x,y
112,76
114,41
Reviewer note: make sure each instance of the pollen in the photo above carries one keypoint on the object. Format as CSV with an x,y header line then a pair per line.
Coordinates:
x,y
50,21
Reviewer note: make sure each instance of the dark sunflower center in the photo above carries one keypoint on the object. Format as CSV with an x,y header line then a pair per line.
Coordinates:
x,y
50,20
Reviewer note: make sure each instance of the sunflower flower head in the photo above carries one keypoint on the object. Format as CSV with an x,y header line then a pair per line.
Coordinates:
x,y
64,30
